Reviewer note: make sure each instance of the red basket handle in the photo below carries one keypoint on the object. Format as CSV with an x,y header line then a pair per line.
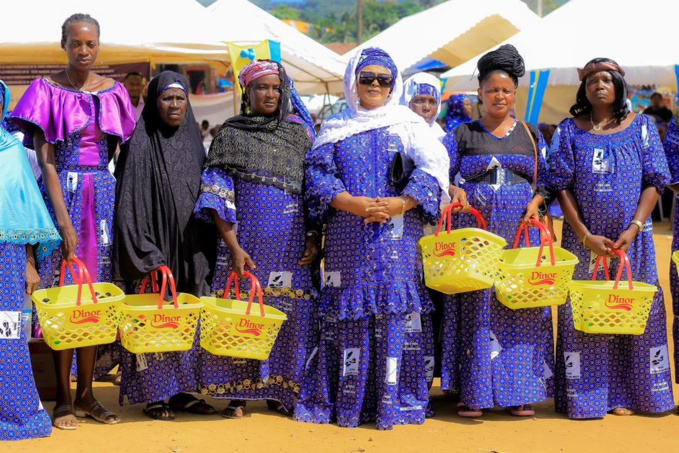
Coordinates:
x,y
448,214
166,274
82,278
624,264
256,288
545,235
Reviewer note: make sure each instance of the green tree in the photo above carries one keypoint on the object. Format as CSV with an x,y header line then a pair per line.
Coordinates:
x,y
284,12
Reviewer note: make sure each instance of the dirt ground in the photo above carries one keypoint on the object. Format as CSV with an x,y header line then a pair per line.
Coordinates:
x,y
264,431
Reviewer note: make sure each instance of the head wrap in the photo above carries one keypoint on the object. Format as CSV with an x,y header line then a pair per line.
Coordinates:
x,y
423,84
161,166
174,85
256,70
374,56
23,216
506,59
274,144
591,68
427,155
456,113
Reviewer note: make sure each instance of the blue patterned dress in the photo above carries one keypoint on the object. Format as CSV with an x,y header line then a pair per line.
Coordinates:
x,y
606,173
492,355
270,225
375,356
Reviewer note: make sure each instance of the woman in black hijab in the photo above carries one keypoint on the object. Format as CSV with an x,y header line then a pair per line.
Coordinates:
x,y
158,179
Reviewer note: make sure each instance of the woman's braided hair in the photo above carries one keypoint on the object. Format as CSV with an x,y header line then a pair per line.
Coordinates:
x,y
505,59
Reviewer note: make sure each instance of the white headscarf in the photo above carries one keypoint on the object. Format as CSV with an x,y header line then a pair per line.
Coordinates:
x,y
422,147
411,89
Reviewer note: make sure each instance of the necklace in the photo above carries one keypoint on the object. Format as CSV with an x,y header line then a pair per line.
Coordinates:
x,y
73,84
598,127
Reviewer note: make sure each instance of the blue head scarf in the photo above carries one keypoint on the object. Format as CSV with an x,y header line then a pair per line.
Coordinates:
x,y
456,114
375,56
23,216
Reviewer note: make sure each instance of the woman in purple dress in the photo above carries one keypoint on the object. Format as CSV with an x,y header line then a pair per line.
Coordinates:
x,y
25,226
608,167
76,119
493,355
371,364
252,191
158,180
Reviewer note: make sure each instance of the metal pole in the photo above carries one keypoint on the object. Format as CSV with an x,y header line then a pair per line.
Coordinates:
x,y
539,8
359,21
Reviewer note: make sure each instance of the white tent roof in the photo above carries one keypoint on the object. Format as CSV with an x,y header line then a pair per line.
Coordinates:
x,y
452,32
309,63
584,29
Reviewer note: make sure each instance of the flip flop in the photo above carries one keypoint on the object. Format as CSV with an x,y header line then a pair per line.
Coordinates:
x,y
467,412
184,402
233,411
525,410
98,412
64,413
277,406
622,411
158,411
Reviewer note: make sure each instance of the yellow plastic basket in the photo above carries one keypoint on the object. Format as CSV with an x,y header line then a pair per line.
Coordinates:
x,y
150,324
461,260
527,278
603,307
229,329
70,319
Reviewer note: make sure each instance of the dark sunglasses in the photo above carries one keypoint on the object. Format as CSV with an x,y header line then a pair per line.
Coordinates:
x,y
367,78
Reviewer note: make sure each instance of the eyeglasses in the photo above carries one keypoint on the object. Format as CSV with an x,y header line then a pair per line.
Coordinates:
x,y
367,78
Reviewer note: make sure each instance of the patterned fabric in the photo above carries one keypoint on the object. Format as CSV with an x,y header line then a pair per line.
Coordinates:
x,y
367,367
21,413
256,70
492,355
456,114
606,174
374,56
271,229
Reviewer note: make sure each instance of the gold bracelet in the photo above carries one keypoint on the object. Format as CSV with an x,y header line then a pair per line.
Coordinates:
x,y
639,224
584,239
403,208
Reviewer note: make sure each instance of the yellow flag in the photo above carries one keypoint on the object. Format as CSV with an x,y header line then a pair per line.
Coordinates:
x,y
241,56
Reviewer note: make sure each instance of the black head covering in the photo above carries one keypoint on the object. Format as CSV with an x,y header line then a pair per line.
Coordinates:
x,y
158,179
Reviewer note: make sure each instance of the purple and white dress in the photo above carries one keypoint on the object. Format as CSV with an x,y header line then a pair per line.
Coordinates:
x,y
493,355
375,356
607,173
84,127
270,226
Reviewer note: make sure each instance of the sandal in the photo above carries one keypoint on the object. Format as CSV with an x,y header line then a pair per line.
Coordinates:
x,y
99,413
235,409
118,379
183,402
622,411
159,411
467,412
277,406
525,410
63,418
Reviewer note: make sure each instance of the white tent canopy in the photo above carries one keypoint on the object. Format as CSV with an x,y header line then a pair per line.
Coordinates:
x,y
579,31
312,66
453,32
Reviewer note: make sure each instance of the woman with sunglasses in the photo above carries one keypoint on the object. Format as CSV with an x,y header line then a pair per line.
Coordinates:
x,y
370,364
492,355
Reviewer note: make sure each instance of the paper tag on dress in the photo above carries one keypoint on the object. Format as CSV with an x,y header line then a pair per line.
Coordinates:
x,y
429,367
280,280
105,233
413,322
72,181
395,226
10,325
495,347
333,279
592,261
572,360
351,360
601,161
141,362
392,370
659,359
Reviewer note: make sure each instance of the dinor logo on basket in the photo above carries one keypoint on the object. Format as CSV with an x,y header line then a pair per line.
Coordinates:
x,y
444,249
619,303
161,321
542,278
85,316
247,326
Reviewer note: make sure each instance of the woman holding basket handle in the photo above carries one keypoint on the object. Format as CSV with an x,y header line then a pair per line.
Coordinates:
x,y
608,167
492,355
